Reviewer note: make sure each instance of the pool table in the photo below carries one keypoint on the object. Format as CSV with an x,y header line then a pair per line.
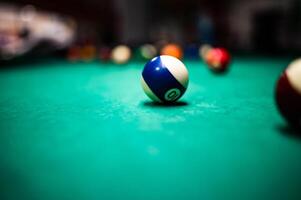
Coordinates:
x,y
86,130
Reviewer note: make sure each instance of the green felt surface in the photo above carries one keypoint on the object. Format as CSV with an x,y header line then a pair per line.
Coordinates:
x,y
87,131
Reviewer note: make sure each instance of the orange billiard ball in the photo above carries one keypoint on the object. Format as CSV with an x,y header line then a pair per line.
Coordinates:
x,y
172,50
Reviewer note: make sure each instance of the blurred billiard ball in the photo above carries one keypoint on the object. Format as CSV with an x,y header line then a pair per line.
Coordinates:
x,y
88,52
203,50
164,79
121,54
288,93
148,51
74,53
172,50
218,59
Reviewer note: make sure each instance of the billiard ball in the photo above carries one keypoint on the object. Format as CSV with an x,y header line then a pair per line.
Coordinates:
x,y
148,51
121,54
203,50
88,52
172,50
288,93
218,59
164,79
74,53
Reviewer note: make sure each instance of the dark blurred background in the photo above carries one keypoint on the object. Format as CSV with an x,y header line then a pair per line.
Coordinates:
x,y
261,26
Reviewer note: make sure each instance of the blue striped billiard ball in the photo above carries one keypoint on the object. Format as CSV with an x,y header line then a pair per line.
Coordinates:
x,y
164,79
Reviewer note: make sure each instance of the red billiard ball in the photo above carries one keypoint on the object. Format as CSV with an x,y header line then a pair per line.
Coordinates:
x,y
288,93
73,53
218,59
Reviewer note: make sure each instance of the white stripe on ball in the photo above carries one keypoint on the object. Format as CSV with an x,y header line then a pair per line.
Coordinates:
x,y
176,68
